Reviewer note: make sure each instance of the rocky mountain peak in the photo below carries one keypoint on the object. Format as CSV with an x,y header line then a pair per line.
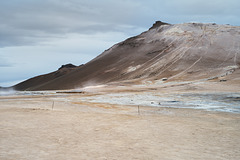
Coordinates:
x,y
158,24
69,65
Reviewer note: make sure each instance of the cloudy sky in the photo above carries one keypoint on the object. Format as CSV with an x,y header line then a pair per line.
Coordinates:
x,y
38,36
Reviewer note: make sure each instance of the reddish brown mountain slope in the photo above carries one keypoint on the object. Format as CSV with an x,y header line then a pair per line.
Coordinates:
x,y
181,52
46,78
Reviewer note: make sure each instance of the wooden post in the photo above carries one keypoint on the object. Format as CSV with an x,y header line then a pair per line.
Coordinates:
x,y
138,111
52,105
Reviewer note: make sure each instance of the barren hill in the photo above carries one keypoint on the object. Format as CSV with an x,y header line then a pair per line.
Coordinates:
x,y
180,52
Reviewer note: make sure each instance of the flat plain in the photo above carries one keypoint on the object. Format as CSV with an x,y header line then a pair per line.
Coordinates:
x,y
51,125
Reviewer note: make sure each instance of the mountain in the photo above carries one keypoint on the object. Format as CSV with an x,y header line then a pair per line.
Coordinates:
x,y
38,81
180,52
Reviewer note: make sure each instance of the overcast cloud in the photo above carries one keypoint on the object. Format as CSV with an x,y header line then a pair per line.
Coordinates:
x,y
38,36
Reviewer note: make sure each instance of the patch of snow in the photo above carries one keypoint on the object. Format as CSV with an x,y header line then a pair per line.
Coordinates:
x,y
133,68
231,67
97,86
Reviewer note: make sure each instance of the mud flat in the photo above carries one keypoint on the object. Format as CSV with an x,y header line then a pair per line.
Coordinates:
x,y
68,126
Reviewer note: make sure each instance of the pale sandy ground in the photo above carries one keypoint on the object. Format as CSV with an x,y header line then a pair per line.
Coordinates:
x,y
74,129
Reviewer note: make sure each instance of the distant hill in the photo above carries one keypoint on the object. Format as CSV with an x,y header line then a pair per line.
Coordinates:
x,y
180,52
38,81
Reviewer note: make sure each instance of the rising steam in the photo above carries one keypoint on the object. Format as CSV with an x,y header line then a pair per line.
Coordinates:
x,y
7,91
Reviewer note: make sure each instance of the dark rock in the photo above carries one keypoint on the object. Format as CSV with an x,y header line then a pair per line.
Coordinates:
x,y
67,66
223,80
158,24
173,101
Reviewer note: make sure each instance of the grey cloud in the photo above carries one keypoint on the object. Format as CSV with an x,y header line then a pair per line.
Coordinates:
x,y
219,11
4,62
5,65
202,7
30,21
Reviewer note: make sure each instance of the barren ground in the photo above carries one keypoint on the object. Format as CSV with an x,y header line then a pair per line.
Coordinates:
x,y
74,129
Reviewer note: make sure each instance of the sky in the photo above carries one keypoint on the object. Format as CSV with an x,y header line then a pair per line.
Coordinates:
x,y
38,36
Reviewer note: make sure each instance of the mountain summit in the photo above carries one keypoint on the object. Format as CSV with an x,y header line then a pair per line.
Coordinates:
x,y
180,52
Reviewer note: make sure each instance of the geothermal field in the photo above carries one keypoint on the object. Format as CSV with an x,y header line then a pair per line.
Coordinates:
x,y
170,93
194,120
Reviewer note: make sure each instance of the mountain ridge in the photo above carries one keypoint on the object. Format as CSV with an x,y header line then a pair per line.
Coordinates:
x,y
180,52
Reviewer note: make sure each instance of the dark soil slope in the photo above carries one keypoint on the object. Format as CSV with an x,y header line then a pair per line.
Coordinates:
x,y
38,81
